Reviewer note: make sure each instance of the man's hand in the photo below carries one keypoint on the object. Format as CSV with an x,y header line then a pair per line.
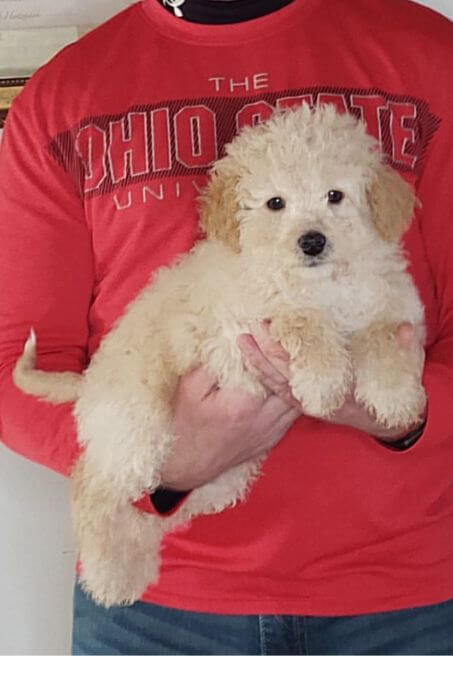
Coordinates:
x,y
270,362
219,429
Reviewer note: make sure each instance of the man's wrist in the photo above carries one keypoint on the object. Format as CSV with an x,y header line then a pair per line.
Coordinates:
x,y
406,440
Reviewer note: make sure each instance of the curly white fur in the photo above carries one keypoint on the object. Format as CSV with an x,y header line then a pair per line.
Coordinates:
x,y
335,313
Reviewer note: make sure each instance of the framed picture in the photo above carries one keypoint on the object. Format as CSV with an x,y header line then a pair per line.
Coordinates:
x,y
26,14
9,88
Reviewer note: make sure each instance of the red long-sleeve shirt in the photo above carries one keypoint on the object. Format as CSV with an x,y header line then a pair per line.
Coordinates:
x,y
102,159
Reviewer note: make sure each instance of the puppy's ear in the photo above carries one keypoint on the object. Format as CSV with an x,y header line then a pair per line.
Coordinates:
x,y
219,206
391,201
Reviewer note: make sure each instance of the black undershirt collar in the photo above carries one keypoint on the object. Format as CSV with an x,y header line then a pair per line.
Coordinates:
x,y
218,12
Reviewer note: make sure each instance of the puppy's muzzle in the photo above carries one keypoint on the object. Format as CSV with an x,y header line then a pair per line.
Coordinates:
x,y
312,242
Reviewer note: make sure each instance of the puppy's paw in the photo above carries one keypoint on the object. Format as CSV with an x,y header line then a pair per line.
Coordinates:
x,y
320,364
109,583
388,376
320,392
398,404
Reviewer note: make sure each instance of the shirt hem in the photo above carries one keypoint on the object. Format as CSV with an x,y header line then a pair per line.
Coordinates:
x,y
297,606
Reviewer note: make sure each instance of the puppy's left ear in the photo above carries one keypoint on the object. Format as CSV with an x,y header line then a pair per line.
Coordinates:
x,y
391,200
219,206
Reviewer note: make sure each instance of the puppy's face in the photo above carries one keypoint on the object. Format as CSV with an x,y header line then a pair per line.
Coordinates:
x,y
312,214
308,187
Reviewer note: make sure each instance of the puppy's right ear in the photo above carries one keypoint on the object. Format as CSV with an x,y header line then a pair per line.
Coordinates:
x,y
219,206
392,201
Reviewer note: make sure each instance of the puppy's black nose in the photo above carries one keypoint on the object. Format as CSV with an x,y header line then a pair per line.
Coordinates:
x,y
312,242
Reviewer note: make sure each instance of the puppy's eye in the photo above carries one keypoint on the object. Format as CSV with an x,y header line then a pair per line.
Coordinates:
x,y
334,196
276,203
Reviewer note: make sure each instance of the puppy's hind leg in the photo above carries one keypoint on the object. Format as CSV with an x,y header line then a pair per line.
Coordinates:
x,y
127,438
119,545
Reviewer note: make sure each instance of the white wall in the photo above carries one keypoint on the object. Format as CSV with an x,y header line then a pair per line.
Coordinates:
x,y
37,558
444,6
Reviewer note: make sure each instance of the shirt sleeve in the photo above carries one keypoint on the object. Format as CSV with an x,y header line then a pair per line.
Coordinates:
x,y
46,281
436,222
162,502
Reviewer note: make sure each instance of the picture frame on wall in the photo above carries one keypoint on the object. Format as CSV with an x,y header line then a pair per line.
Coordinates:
x,y
37,14
10,87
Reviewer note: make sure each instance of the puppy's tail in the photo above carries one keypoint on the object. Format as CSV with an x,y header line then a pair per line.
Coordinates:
x,y
55,387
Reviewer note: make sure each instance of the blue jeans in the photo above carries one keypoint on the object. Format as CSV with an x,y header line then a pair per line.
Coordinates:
x,y
150,630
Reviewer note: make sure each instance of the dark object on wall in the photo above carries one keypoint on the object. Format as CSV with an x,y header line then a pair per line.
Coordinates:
x,y
9,88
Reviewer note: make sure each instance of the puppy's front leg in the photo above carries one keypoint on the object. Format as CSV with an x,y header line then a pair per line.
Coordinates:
x,y
319,361
388,377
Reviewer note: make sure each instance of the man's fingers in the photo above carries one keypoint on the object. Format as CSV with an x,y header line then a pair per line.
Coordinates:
x,y
287,412
255,357
198,384
405,334
267,344
409,339
271,378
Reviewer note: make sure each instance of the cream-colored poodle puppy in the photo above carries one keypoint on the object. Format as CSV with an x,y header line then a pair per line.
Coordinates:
x,y
302,220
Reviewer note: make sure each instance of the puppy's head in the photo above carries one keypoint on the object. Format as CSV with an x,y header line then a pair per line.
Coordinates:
x,y
308,184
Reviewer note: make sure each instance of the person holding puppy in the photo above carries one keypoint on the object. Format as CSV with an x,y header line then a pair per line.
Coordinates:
x,y
344,544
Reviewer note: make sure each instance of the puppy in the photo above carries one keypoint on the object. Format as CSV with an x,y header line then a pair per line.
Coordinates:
x,y
302,221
